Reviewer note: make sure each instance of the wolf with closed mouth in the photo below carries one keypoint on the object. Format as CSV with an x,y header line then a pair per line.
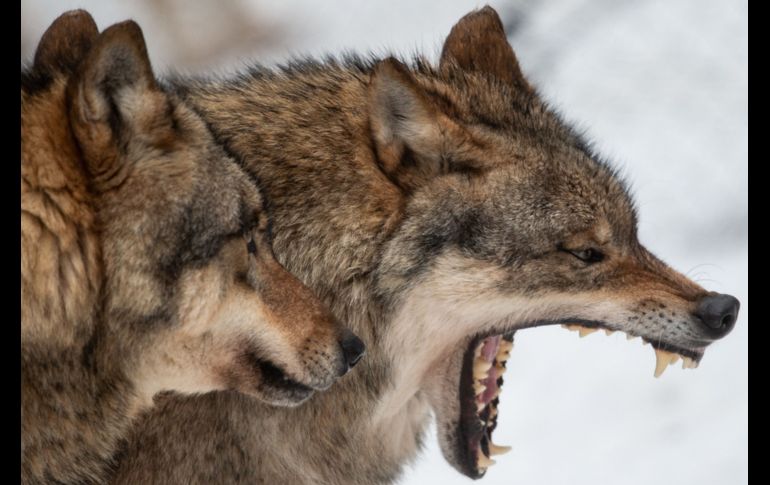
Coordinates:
x,y
438,210
146,262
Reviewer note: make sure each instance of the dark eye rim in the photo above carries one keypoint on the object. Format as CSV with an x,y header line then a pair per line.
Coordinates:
x,y
589,255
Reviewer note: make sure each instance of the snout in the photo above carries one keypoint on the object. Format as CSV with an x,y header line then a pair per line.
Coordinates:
x,y
352,350
718,313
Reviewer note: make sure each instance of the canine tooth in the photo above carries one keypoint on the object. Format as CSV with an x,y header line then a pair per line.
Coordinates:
x,y
477,352
586,331
478,387
481,368
662,360
608,332
498,450
483,460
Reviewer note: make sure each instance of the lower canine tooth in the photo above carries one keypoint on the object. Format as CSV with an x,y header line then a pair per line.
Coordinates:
x,y
483,460
586,331
478,388
498,450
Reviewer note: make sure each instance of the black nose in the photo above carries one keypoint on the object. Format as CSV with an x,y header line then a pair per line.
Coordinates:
x,y
718,312
352,348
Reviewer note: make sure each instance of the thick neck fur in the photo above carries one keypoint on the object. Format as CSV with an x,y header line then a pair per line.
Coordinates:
x,y
306,138
76,402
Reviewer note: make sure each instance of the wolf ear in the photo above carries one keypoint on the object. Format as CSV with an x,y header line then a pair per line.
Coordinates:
x,y
116,103
478,43
403,122
65,42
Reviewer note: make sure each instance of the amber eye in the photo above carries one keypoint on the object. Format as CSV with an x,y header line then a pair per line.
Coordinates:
x,y
588,255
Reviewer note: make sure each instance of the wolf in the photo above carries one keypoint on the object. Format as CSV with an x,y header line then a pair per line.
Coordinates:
x,y
146,260
437,209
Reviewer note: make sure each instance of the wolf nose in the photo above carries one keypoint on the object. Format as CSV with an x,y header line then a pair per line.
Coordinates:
x,y
718,312
352,349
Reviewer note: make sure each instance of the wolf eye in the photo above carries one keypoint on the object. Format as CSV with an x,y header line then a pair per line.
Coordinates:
x,y
589,255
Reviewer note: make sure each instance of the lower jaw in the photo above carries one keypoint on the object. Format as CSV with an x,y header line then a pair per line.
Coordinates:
x,y
485,356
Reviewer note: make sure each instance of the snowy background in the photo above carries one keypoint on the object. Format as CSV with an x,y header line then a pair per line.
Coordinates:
x,y
662,88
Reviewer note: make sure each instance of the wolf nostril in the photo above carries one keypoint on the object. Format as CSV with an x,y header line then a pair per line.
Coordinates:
x,y
718,312
352,348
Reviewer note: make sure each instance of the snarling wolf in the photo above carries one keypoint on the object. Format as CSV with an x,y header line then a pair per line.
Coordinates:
x,y
437,210
146,260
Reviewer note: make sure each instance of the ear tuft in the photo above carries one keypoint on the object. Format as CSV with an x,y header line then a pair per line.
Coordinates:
x,y
115,98
65,42
478,43
401,116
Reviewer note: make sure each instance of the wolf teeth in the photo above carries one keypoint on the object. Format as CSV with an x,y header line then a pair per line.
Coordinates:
x,y
481,368
479,388
688,363
497,449
477,352
663,359
483,460
583,331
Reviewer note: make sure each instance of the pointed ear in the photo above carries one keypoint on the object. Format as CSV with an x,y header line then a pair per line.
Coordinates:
x,y
403,121
116,102
65,42
478,43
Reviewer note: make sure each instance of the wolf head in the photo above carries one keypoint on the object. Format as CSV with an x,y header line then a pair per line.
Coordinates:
x,y
164,231
510,222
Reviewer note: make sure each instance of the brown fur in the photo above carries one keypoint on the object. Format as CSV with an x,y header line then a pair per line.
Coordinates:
x,y
428,207
146,260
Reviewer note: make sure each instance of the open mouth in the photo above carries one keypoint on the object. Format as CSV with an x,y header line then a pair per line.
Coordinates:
x,y
275,378
481,381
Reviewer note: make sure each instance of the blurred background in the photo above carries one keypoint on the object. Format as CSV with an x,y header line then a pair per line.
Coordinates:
x,y
662,89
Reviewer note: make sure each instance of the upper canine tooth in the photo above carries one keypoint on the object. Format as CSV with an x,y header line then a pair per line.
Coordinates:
x,y
586,331
483,460
498,450
481,368
662,360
